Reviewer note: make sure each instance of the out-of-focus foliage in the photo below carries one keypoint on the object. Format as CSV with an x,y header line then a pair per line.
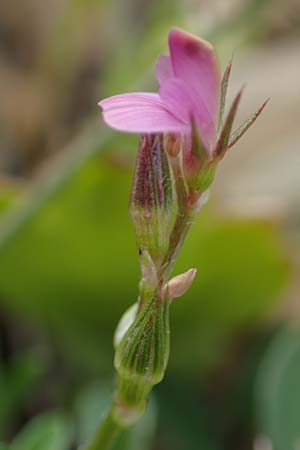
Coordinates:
x,y
8,194
278,394
17,381
50,431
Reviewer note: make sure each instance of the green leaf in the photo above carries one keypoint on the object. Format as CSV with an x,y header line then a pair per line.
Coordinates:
x,y
17,382
50,431
241,273
8,196
278,394
185,423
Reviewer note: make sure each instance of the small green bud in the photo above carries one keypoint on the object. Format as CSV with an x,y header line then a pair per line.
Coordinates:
x,y
142,355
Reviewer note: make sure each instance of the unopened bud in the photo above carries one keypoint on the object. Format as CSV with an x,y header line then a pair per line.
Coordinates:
x,y
179,284
152,200
141,356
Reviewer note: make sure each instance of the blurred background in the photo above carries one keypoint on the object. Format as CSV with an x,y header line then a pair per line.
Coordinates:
x,y
68,261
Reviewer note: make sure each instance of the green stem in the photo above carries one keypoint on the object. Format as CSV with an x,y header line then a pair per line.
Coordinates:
x,y
106,434
183,220
181,227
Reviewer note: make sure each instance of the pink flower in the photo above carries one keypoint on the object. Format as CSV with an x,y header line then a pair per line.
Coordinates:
x,y
189,86
191,98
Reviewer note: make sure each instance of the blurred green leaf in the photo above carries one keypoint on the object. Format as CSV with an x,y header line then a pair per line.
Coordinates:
x,y
278,393
91,404
17,382
241,271
186,423
50,431
7,198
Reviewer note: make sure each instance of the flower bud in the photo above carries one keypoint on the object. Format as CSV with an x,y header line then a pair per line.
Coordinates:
x,y
152,201
179,284
141,358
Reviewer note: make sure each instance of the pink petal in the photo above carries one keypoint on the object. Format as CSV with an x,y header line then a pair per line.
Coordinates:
x,y
139,113
194,61
181,100
164,69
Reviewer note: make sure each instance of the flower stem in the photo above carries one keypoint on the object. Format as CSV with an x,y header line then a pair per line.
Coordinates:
x,y
143,352
183,220
106,434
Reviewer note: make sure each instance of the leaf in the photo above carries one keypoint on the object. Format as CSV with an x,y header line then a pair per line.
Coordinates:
x,y
278,394
186,421
8,196
49,431
242,272
17,380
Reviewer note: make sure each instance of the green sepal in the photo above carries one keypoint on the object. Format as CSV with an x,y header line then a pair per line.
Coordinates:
x,y
206,177
223,140
236,136
198,148
224,85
